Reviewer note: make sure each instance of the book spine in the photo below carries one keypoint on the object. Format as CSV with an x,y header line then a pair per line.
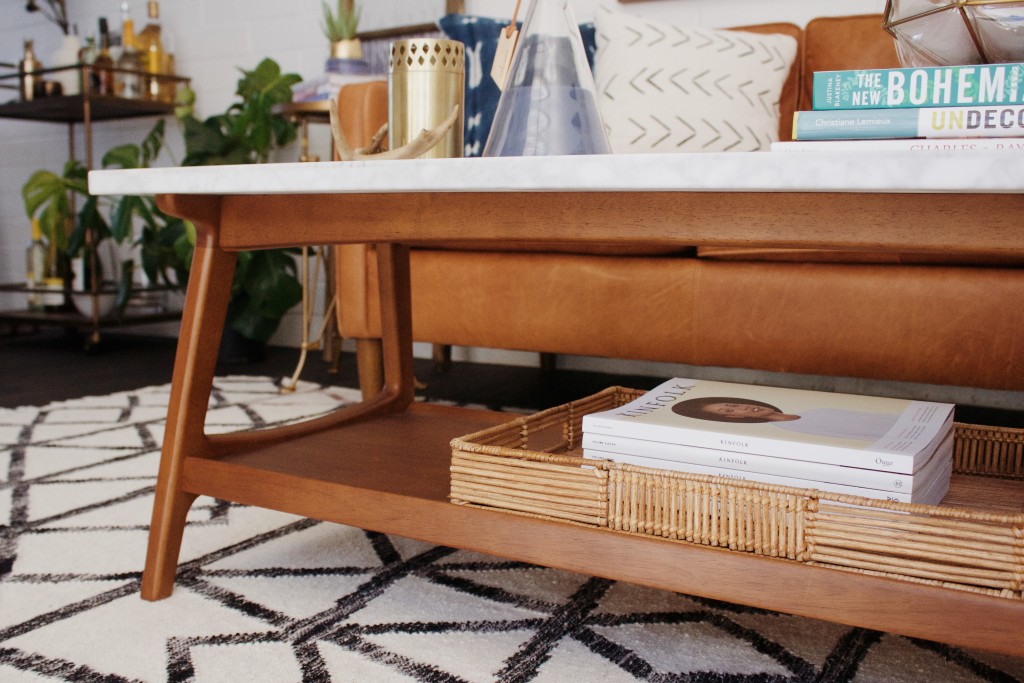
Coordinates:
x,y
726,473
926,122
961,85
900,463
746,462
1009,145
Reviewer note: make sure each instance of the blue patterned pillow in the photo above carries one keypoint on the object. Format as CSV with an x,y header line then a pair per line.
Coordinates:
x,y
480,36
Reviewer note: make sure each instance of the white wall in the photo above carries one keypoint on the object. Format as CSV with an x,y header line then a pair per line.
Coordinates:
x,y
212,39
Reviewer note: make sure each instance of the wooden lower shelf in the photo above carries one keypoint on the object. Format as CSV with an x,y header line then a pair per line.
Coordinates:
x,y
391,475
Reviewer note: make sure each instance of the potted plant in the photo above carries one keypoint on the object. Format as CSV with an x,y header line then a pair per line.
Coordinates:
x,y
266,284
100,237
164,242
340,27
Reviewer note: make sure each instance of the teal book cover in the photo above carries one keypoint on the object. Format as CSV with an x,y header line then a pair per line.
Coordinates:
x,y
962,85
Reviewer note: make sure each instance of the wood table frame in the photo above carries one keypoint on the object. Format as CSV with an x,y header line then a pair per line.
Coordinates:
x,y
382,464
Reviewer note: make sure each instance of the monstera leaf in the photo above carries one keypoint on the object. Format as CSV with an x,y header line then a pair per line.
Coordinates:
x,y
265,285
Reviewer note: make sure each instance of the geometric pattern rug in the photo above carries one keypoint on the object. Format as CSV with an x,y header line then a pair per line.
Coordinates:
x,y
266,596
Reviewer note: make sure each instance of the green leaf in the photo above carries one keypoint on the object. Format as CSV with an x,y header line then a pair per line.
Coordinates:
x,y
45,195
125,283
265,286
340,26
89,220
153,142
121,222
202,139
42,187
123,156
184,101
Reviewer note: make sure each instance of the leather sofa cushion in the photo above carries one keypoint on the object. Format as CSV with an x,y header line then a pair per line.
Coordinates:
x,y
363,109
874,321
877,321
520,300
851,42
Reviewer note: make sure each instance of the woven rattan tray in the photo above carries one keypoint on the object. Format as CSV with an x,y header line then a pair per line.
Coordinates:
x,y
974,541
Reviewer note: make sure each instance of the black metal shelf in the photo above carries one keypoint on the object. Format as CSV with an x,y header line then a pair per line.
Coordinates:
x,y
72,318
71,108
86,108
87,105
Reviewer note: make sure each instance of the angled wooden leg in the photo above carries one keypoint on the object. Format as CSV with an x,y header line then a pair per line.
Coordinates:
x,y
209,289
396,322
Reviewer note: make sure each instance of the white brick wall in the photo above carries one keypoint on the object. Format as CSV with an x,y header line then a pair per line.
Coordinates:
x,y
212,39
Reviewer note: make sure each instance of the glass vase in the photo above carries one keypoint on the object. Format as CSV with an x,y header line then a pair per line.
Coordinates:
x,y
548,105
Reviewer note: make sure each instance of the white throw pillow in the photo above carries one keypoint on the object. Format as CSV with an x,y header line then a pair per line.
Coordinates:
x,y
665,88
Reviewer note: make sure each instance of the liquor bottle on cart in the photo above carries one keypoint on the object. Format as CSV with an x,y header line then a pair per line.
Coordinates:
x,y
103,67
35,267
149,43
130,66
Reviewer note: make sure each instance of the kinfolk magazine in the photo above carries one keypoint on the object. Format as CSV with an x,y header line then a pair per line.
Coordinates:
x,y
887,434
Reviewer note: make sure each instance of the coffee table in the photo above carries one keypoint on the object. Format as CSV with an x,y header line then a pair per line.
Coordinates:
x,y
383,464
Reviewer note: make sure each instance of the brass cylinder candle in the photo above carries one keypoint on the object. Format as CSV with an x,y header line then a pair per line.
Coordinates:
x,y
426,79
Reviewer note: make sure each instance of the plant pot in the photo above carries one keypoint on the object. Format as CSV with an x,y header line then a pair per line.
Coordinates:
x,y
238,350
106,302
347,49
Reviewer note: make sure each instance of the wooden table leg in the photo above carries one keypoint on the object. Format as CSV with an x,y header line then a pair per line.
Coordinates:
x,y
396,321
206,300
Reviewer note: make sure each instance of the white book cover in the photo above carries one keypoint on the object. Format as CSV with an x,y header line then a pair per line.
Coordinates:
x,y
889,434
1012,145
928,495
614,446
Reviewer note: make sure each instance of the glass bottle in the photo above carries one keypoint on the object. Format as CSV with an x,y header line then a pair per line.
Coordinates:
x,y
149,43
53,279
103,67
168,87
548,105
65,57
35,267
28,66
87,57
128,79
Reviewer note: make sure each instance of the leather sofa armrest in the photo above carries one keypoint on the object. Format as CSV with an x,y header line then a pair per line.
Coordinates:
x,y
362,110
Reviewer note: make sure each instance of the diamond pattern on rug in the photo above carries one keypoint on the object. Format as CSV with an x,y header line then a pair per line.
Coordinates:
x,y
267,596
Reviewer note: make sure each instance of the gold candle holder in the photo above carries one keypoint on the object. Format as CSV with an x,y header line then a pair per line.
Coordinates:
x,y
426,80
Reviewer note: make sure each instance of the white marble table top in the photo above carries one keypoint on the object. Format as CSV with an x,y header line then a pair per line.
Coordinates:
x,y
899,171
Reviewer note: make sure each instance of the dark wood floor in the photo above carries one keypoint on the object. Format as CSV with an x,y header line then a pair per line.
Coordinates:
x,y
51,365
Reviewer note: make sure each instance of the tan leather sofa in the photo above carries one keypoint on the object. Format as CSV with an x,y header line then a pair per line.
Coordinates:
x,y
802,311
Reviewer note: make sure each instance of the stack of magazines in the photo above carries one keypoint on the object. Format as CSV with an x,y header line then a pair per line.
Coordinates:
x,y
876,447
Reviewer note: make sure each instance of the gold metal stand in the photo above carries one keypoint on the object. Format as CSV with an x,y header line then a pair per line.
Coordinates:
x,y
327,338
320,258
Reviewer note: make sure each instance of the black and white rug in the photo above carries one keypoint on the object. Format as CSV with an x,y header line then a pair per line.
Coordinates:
x,y
265,596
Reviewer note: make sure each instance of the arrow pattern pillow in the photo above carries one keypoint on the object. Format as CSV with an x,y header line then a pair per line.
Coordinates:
x,y
665,88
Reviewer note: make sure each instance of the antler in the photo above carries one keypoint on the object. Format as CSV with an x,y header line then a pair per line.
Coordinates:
x,y
424,142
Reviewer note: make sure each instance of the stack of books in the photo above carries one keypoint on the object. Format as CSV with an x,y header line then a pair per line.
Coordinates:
x,y
875,447
337,73
956,108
